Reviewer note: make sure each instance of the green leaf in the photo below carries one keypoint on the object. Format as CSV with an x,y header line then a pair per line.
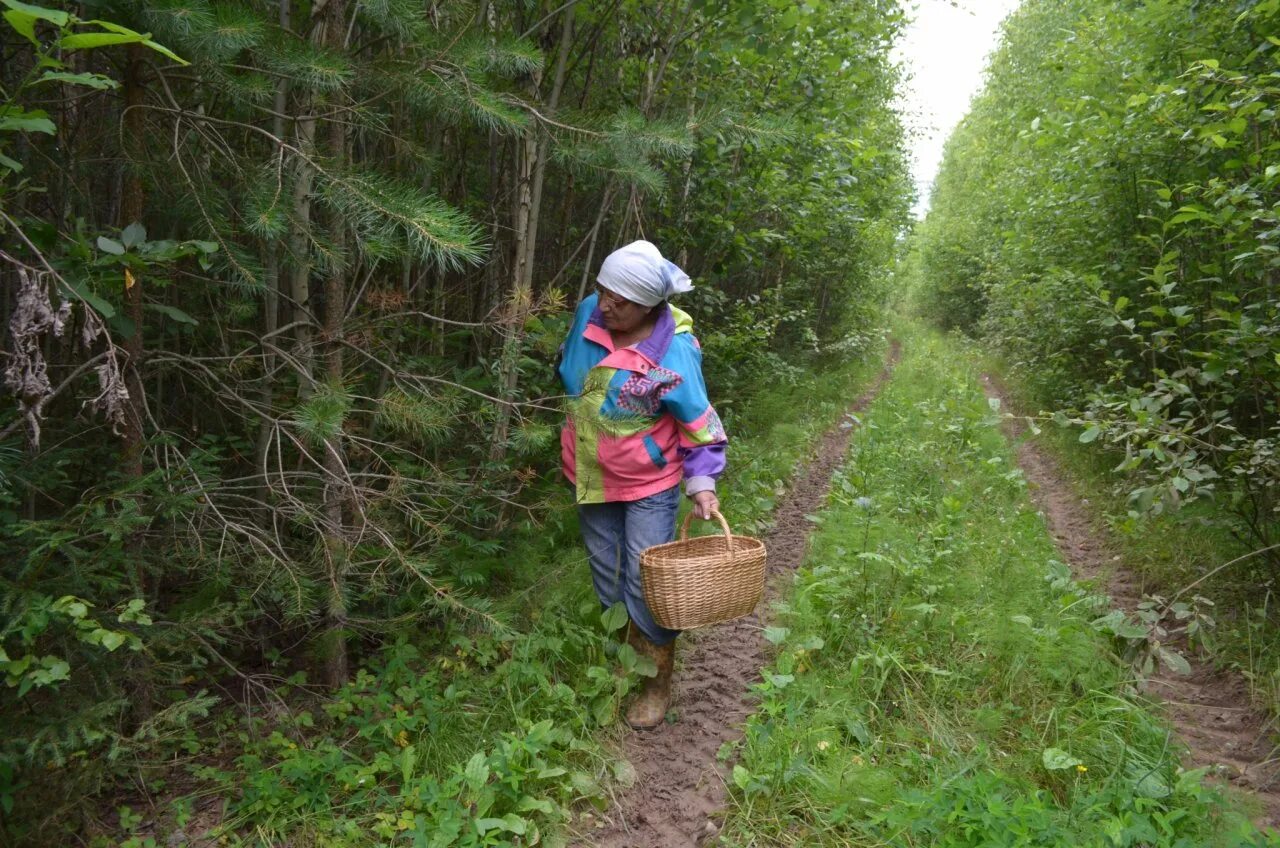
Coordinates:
x,y
1174,661
97,81
90,40
133,235
53,16
1056,759
109,639
615,617
97,304
477,771
11,164
1151,785
72,607
1090,434
858,730
741,777
111,246
776,635
627,658
24,24
624,773
603,710
16,119
144,38
408,759
1129,630
646,667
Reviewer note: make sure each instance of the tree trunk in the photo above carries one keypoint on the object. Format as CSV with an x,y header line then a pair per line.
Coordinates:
x,y
271,302
337,491
300,244
532,164
521,299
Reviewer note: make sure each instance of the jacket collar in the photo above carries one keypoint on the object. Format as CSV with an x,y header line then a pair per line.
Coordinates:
x,y
652,349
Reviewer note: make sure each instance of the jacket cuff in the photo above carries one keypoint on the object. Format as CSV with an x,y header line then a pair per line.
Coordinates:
x,y
699,484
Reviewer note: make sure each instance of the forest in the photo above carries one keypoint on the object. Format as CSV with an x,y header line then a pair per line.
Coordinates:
x,y
286,554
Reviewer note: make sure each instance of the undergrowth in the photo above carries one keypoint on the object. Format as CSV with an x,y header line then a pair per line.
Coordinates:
x,y
474,734
937,680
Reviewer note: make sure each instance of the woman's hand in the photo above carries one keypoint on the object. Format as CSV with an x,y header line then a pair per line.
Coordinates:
x,y
704,503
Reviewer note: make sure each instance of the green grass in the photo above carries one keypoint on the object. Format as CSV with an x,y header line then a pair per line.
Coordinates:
x,y
467,735
937,680
1170,551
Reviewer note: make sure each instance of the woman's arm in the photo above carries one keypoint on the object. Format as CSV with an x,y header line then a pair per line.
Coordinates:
x,y
703,443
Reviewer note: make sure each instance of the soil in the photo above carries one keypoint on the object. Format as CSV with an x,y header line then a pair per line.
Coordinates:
x,y
1209,708
680,781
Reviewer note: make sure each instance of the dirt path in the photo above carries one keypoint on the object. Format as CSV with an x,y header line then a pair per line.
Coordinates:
x,y
680,783
1209,709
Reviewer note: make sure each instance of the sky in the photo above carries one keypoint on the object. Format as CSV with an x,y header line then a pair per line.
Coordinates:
x,y
943,52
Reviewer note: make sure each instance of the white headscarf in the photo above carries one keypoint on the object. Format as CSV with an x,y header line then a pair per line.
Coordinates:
x,y
640,274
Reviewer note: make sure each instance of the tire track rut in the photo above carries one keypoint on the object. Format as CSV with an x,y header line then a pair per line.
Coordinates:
x,y
1209,708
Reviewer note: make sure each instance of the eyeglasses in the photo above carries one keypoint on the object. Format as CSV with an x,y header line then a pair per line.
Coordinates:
x,y
613,298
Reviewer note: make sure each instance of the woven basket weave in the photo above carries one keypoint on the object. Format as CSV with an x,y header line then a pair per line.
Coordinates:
x,y
705,580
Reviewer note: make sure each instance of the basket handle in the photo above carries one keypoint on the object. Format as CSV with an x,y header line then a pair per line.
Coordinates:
x,y
724,525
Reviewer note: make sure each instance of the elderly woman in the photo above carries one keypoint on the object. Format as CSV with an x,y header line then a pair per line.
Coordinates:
x,y
639,423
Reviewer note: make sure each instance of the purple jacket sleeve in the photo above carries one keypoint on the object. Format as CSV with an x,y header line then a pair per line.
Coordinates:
x,y
703,465
702,437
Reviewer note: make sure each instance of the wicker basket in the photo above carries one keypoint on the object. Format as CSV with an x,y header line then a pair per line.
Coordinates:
x,y
705,580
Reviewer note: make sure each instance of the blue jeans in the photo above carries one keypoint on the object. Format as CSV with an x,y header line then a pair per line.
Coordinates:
x,y
615,533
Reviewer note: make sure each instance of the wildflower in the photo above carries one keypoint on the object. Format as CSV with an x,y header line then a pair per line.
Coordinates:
x,y
1081,768
824,745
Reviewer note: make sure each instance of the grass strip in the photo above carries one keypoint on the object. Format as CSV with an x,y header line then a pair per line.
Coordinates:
x,y
937,681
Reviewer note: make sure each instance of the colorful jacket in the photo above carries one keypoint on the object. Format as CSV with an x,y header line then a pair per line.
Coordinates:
x,y
638,418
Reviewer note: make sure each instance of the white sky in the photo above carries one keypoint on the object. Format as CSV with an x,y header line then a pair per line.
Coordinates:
x,y
943,54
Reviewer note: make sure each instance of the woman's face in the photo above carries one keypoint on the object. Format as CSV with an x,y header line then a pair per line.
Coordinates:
x,y
620,315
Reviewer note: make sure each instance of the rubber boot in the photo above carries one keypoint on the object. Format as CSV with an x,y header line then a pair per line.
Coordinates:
x,y
650,706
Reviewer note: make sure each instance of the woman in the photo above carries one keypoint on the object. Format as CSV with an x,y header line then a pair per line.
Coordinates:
x,y
639,423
